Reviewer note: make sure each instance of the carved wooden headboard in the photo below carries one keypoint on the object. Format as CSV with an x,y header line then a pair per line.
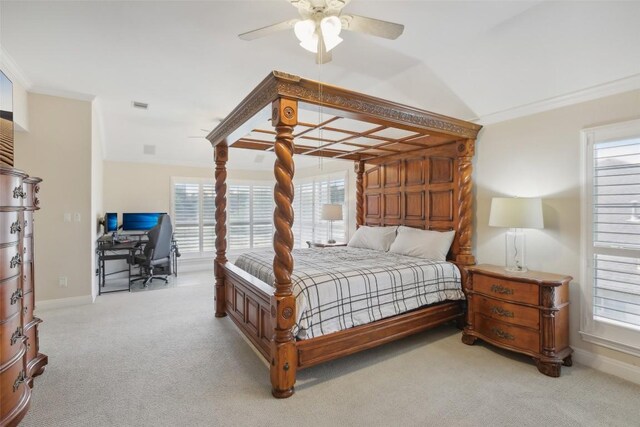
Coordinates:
x,y
428,189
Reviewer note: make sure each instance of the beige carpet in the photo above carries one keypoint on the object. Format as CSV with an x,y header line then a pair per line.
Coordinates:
x,y
160,358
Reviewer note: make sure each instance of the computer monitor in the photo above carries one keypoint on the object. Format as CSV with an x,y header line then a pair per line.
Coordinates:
x,y
140,221
110,222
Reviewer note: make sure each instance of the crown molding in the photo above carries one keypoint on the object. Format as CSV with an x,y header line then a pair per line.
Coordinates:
x,y
11,67
614,87
62,93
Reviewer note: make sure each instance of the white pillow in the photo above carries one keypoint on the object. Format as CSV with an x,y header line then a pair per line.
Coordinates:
x,y
377,238
419,243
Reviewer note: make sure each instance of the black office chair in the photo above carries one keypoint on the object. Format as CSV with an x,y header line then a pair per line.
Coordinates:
x,y
156,253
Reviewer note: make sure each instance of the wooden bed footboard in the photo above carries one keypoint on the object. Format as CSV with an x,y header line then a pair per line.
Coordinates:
x,y
248,305
248,302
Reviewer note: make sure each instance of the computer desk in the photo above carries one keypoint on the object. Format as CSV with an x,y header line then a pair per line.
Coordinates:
x,y
109,249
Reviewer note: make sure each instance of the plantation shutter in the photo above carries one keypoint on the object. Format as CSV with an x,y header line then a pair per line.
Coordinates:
x,y
616,231
239,216
194,216
262,223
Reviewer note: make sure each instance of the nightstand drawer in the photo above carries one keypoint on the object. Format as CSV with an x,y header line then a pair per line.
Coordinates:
x,y
506,289
514,336
506,312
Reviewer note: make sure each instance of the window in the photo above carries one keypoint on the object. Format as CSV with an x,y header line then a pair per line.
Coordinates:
x,y
310,195
250,207
193,212
612,219
249,215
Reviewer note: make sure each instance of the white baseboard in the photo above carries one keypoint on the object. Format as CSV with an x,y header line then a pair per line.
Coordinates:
x,y
607,365
52,304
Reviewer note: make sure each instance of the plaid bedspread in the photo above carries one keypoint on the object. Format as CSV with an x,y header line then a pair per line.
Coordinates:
x,y
338,288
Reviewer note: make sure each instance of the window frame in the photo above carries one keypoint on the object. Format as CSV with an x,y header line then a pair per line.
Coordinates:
x,y
606,333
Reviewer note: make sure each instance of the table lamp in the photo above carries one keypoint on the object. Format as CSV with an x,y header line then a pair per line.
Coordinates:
x,y
331,213
515,213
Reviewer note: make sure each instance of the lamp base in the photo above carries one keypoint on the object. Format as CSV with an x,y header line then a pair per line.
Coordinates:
x,y
514,251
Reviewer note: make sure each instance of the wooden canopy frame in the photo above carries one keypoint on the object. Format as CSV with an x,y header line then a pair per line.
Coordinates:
x,y
413,167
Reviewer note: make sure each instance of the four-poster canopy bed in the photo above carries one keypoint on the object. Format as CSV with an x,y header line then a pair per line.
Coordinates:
x,y
413,168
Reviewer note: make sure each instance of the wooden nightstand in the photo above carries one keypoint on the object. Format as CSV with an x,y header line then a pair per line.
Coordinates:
x,y
324,244
524,312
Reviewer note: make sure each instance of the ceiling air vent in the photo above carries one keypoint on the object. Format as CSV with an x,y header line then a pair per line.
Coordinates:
x,y
141,105
149,149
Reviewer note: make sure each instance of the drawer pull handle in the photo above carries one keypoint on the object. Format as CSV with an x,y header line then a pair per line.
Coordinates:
x,y
15,261
15,297
17,335
501,311
502,334
18,193
15,228
22,378
499,289
25,309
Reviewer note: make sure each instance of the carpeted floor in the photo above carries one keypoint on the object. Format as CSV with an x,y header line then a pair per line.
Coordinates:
x,y
160,358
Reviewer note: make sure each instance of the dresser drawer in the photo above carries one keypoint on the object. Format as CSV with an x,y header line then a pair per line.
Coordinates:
x,y
27,278
506,289
27,224
10,338
9,301
12,194
27,249
14,386
10,260
10,226
32,342
514,336
506,312
27,308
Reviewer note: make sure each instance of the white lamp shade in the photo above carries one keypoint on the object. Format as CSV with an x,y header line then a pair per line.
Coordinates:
x,y
330,27
331,212
516,212
305,31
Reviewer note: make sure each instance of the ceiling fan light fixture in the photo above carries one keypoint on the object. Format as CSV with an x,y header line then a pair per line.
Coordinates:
x,y
330,27
306,32
311,44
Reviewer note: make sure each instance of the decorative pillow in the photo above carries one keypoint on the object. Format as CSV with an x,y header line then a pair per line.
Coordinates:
x,y
377,238
419,243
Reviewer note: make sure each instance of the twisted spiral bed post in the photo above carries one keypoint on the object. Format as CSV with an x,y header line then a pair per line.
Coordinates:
x,y
359,169
284,356
221,155
466,151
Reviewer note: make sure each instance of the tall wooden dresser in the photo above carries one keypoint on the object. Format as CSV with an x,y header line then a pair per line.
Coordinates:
x,y
19,356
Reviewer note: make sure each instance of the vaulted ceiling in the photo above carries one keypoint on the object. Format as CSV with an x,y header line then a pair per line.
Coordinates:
x,y
480,60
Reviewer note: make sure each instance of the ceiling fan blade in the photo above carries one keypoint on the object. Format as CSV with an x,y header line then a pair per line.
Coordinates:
x,y
375,27
265,31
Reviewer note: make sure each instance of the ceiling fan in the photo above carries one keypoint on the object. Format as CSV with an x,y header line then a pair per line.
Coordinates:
x,y
320,24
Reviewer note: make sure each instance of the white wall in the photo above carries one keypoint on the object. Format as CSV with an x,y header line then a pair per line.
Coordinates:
x,y
539,155
57,149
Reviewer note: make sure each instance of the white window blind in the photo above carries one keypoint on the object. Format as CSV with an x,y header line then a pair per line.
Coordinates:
x,y
611,213
616,231
310,195
193,208
250,215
